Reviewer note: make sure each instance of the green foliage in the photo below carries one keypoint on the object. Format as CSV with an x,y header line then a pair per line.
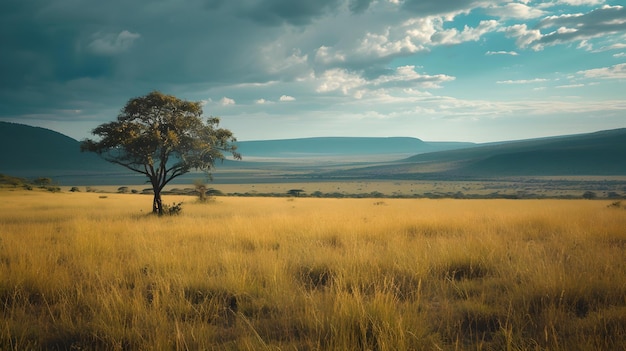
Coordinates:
x,y
162,137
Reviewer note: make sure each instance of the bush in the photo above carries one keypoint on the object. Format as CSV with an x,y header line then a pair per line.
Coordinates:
x,y
589,195
173,209
616,204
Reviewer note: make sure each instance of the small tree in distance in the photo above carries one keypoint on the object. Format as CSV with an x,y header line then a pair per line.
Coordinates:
x,y
162,137
295,192
201,189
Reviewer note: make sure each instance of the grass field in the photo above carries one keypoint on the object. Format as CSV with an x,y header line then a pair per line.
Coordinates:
x,y
95,271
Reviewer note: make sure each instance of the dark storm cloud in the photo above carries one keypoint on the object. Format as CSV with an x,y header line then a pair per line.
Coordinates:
x,y
276,12
55,51
359,6
426,8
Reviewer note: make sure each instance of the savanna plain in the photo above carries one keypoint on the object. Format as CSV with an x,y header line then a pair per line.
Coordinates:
x,y
86,271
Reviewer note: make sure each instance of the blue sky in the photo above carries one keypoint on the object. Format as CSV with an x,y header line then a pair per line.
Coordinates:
x,y
274,69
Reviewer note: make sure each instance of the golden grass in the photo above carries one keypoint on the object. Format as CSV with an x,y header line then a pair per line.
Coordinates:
x,y
93,271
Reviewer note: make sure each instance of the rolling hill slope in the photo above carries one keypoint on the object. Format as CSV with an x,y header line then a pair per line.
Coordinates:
x,y
600,153
31,152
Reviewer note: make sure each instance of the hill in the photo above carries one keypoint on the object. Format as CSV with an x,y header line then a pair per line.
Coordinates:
x,y
599,153
31,152
342,147
27,151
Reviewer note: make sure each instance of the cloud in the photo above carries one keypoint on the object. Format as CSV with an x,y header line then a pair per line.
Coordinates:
x,y
276,12
111,43
359,6
523,81
617,46
338,79
612,72
580,2
383,45
569,86
515,10
325,55
510,53
227,101
448,8
352,83
407,76
453,36
286,98
570,27
524,36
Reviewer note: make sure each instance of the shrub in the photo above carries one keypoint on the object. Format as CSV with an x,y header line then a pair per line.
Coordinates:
x,y
173,209
616,204
589,195
295,192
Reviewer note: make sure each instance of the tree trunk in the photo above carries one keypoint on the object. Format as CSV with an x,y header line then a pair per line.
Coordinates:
x,y
157,204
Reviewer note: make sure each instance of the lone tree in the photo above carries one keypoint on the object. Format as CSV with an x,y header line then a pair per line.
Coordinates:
x,y
162,137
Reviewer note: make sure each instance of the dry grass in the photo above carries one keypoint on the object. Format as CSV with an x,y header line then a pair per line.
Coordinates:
x,y
82,271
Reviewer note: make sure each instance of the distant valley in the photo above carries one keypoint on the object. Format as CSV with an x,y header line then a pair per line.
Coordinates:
x,y
31,152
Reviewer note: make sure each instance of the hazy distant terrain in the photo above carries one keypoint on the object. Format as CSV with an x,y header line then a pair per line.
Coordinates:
x,y
35,152
600,153
337,148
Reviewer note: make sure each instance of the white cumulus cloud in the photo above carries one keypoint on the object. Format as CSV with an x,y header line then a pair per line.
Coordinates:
x,y
510,53
285,98
515,10
112,43
227,101
612,72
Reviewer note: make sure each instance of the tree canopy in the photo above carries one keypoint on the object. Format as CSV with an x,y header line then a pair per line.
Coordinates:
x,y
162,137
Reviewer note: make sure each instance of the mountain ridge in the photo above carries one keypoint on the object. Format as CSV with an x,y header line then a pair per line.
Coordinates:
x,y
27,151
